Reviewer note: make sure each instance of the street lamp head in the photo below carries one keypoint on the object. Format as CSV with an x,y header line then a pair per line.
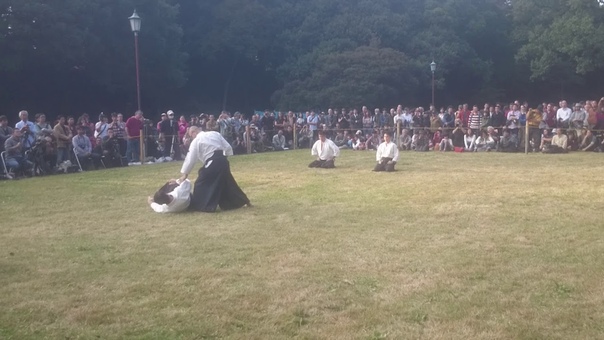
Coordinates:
x,y
135,22
433,66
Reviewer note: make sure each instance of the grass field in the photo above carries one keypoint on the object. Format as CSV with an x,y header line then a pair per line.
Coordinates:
x,y
451,246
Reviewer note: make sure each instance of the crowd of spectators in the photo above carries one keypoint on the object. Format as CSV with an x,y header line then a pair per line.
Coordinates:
x,y
37,148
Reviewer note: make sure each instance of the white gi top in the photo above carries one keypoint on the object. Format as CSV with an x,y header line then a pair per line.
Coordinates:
x,y
181,199
203,147
326,151
388,150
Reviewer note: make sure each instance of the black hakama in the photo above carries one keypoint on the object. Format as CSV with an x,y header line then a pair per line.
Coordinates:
x,y
215,186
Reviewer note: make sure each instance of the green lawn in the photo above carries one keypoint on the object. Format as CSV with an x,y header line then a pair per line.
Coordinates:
x,y
451,246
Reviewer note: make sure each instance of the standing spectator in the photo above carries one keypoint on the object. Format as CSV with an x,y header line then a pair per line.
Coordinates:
x,y
563,115
101,127
268,124
513,120
367,121
182,128
63,136
313,125
168,135
498,119
134,125
225,126
5,131
28,130
41,123
463,115
71,124
212,124
474,119
449,118
578,118
119,130
534,119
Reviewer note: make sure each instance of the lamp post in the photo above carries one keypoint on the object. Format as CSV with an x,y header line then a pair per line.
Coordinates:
x,y
135,25
433,69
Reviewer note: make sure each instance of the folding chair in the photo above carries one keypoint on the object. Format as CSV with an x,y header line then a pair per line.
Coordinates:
x,y
80,164
5,169
77,159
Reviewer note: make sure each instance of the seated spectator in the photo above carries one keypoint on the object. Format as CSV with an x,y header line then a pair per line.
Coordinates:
x,y
254,138
546,140
559,143
373,141
573,141
589,141
469,139
357,142
446,144
458,137
279,141
289,136
422,143
484,143
405,140
436,139
305,137
508,142
83,150
340,139
238,147
493,133
15,157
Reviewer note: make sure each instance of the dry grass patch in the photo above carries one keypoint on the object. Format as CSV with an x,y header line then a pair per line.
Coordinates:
x,y
452,246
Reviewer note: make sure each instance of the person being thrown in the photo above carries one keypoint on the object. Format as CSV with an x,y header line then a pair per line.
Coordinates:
x,y
387,154
173,197
326,152
215,185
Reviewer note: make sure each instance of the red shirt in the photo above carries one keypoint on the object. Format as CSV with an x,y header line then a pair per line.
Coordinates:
x,y
134,127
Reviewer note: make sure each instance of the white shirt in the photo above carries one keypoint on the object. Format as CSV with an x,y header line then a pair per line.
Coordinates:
x,y
181,198
203,147
326,151
513,115
563,113
387,150
103,127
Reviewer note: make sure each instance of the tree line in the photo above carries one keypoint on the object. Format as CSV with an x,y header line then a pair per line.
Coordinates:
x,y
73,56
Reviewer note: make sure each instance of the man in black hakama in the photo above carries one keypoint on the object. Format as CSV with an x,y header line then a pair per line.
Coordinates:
x,y
215,185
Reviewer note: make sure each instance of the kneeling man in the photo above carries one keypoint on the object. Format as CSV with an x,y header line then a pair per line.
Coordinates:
x,y
387,154
326,152
173,197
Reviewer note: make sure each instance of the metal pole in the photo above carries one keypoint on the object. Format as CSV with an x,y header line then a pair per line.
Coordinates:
x,y
138,84
433,90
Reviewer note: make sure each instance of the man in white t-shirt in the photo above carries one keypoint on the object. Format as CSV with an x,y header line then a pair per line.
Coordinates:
x,y
174,196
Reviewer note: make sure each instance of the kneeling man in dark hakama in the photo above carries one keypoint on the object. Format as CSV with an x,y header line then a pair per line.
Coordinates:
x,y
215,185
387,154
326,152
